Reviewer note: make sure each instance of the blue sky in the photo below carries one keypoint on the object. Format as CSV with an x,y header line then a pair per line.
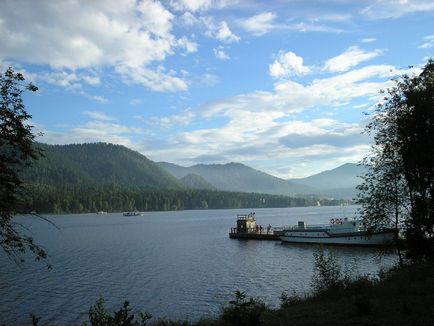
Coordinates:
x,y
281,86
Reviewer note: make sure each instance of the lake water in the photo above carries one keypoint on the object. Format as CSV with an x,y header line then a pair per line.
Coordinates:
x,y
170,264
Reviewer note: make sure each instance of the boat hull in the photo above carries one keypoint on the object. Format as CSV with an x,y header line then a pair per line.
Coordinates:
x,y
351,239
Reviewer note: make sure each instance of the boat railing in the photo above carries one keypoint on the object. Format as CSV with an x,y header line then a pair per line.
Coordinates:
x,y
254,231
304,227
245,216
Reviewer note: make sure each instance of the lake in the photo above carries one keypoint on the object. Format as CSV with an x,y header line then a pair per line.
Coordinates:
x,y
170,264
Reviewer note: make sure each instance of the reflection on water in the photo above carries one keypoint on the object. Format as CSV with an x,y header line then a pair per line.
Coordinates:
x,y
171,264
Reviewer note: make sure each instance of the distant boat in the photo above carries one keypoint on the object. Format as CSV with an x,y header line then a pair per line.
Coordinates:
x,y
338,232
101,213
135,213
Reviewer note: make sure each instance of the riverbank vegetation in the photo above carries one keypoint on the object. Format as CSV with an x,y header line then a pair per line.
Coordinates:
x,y
112,198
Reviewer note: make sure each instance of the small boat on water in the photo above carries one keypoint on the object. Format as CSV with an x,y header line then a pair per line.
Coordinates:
x,y
338,232
135,213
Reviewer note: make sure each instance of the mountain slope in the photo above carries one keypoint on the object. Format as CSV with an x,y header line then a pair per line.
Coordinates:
x,y
194,181
344,176
238,177
97,163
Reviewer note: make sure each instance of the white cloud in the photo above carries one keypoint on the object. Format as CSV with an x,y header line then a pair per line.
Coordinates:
x,y
159,80
220,53
69,80
396,8
199,5
225,35
368,40
92,80
288,64
135,101
85,34
428,42
189,46
259,24
206,79
350,58
313,26
220,31
96,98
265,22
188,19
93,131
292,97
183,118
97,115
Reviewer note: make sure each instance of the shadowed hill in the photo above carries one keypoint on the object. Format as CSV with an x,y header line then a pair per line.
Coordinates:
x,y
97,164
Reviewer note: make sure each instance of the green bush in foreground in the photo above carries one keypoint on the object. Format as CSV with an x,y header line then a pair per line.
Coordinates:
x,y
98,316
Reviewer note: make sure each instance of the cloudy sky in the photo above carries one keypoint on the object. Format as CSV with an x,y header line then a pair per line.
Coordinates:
x,y
281,86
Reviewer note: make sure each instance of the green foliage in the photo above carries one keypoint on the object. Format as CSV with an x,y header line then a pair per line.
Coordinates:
x,y
327,274
112,198
288,300
97,164
398,188
243,311
17,151
99,316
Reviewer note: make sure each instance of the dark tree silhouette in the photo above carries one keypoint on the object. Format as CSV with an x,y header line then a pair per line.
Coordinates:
x,y
17,150
398,188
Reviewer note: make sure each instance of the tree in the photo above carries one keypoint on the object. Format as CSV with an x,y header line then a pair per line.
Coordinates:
x,y
398,188
17,150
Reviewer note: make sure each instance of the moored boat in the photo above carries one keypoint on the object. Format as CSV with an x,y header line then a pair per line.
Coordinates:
x,y
135,213
338,232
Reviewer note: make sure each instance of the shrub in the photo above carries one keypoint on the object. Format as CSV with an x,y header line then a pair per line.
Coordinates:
x,y
327,275
98,316
243,312
288,300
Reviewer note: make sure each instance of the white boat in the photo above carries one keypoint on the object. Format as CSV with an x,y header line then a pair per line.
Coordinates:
x,y
338,232
132,213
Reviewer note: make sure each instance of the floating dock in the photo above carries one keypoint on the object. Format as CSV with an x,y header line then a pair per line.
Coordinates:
x,y
255,236
248,229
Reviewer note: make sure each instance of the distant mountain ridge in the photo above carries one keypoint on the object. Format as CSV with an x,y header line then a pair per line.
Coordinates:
x,y
238,177
344,176
102,164
336,183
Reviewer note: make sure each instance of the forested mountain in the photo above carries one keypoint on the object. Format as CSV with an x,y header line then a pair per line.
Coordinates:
x,y
238,177
344,176
194,181
93,177
97,164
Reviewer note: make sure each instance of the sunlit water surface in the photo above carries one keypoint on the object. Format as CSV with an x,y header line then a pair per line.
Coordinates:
x,y
171,264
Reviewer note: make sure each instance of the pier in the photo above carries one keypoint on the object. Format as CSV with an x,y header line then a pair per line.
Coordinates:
x,y
248,229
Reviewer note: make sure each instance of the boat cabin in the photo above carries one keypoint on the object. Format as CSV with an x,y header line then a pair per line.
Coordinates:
x,y
246,223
